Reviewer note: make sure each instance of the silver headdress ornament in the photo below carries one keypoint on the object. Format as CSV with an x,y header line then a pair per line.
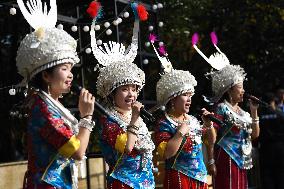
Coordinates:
x,y
47,46
172,82
117,63
227,75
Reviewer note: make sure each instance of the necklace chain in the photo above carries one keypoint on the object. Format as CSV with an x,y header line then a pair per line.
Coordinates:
x,y
177,120
125,117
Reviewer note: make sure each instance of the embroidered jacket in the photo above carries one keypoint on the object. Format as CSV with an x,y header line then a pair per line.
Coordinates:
x,y
234,137
135,168
51,142
189,159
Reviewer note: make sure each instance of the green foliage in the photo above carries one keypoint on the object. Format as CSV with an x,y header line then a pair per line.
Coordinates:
x,y
250,34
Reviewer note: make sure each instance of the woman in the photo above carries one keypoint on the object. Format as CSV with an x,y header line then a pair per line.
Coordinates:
x,y
125,140
179,135
54,136
233,148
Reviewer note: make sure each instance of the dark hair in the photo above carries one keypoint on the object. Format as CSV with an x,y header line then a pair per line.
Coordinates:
x,y
225,97
37,81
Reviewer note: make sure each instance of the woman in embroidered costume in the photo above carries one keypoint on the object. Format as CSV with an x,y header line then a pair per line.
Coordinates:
x,y
125,140
179,135
55,138
233,146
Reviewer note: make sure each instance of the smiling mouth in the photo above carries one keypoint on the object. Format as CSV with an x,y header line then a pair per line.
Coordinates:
x,y
129,101
68,83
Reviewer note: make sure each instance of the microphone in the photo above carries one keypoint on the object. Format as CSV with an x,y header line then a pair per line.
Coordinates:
x,y
144,113
255,99
147,115
211,118
265,104
77,90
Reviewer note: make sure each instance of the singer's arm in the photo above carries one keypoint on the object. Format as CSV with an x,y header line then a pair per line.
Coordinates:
x,y
86,108
255,120
174,143
169,140
210,136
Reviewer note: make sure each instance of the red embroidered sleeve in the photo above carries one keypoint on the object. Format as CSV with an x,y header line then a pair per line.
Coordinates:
x,y
110,133
220,117
161,135
54,131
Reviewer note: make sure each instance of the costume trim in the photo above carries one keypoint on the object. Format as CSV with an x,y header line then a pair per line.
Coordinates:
x,y
162,148
70,147
120,142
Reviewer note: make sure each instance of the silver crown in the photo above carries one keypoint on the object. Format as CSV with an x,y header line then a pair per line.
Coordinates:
x,y
226,75
117,61
224,79
47,46
172,82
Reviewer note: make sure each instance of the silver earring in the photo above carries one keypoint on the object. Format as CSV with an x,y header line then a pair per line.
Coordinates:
x,y
48,88
172,106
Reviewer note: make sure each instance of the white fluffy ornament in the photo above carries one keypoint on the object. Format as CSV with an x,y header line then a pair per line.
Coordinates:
x,y
12,92
99,42
160,5
88,50
60,26
161,24
106,24
86,28
115,22
119,20
97,27
13,11
109,32
147,44
126,15
145,61
74,28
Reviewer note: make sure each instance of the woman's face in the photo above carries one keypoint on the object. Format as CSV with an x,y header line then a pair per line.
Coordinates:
x,y
60,79
125,95
236,92
181,103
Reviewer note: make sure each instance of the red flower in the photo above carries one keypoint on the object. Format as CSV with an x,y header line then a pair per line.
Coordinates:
x,y
142,12
94,8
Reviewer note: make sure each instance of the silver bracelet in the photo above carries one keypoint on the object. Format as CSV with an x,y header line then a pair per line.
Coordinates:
x,y
211,161
255,121
86,123
210,127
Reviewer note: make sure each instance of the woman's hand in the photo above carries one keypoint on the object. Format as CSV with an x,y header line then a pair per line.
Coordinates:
x,y
207,122
86,104
253,106
136,106
212,169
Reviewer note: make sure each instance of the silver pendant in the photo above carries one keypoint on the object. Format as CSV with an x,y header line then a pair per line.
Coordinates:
x,y
246,148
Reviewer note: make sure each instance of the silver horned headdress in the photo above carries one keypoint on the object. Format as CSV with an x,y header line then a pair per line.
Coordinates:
x,y
47,46
117,63
226,75
172,82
